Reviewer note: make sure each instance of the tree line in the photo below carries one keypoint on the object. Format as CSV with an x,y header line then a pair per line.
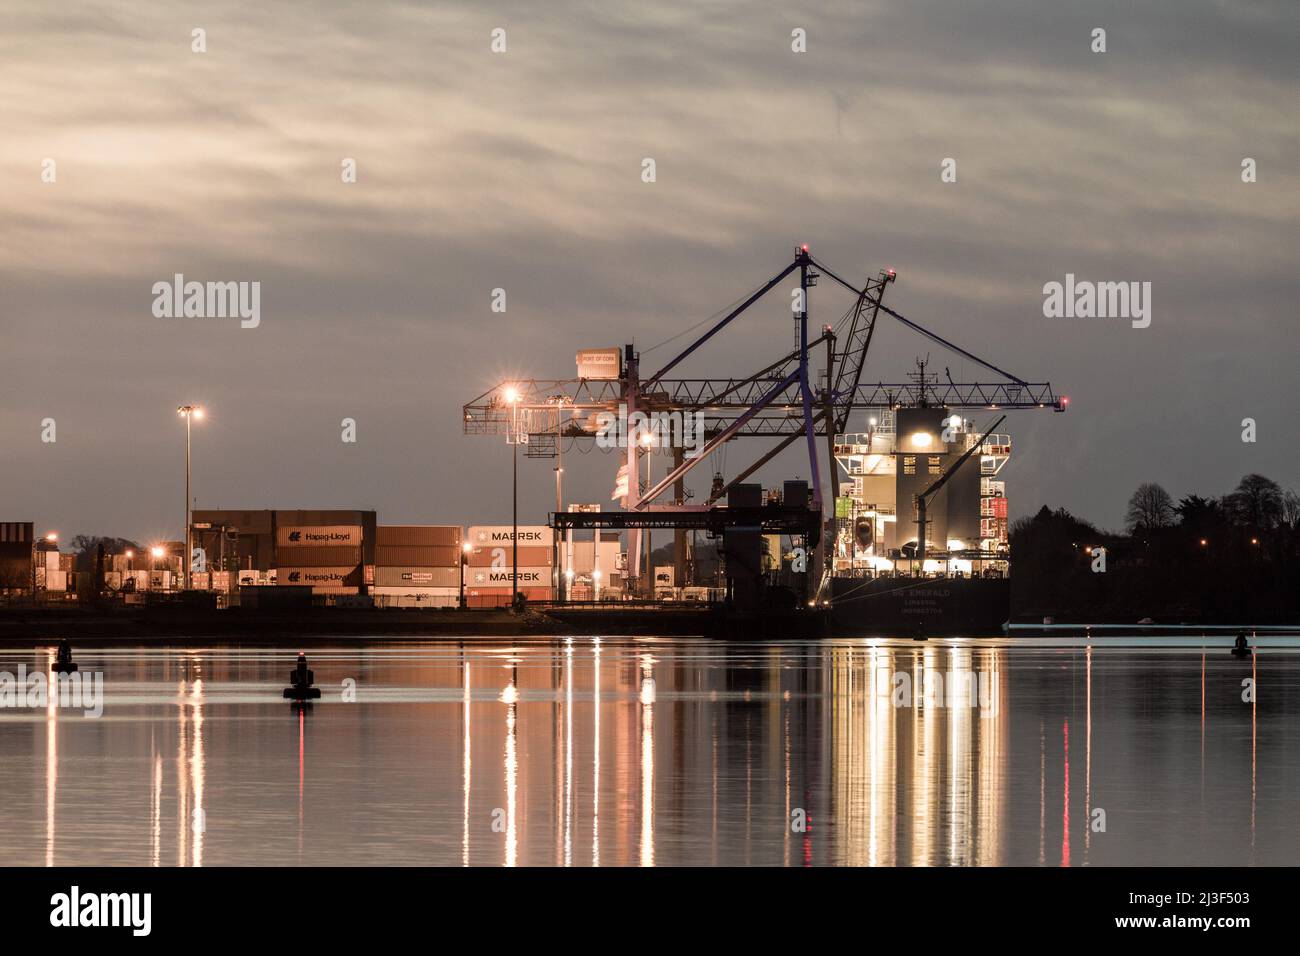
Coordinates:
x,y
1233,559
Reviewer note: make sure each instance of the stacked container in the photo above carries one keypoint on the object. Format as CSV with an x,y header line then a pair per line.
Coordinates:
x,y
418,565
325,557
491,561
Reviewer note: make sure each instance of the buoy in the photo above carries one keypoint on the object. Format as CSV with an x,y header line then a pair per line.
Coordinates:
x,y
64,664
1242,647
300,682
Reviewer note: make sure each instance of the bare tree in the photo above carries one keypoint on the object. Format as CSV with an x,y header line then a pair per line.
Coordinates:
x,y
1150,507
1258,503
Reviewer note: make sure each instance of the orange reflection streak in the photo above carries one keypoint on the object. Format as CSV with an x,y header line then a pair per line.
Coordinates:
x,y
785,733
198,822
595,758
1065,806
182,782
51,757
465,764
568,754
511,769
155,815
647,766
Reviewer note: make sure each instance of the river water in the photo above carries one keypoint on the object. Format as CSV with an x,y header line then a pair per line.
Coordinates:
x,y
621,752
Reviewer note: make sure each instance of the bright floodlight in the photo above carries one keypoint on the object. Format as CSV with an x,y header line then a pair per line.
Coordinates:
x,y
52,536
511,394
157,552
921,439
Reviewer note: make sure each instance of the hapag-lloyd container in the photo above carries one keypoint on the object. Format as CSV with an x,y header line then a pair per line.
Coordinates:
x,y
318,536
320,557
320,577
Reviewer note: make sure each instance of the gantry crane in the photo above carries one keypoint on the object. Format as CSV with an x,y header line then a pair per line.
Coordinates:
x,y
782,400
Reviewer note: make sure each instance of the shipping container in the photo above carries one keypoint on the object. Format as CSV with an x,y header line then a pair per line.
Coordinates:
x,y
500,597
417,600
492,577
320,577
318,536
318,557
418,535
417,590
488,535
418,577
502,556
421,556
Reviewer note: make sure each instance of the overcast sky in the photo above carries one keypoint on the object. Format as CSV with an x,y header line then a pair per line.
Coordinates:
x,y
522,170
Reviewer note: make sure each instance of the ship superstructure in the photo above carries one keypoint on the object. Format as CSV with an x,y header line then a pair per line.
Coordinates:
x,y
903,452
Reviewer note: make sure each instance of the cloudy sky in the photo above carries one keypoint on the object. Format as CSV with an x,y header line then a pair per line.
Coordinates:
x,y
522,170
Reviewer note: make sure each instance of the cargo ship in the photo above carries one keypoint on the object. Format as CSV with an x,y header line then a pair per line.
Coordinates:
x,y
920,467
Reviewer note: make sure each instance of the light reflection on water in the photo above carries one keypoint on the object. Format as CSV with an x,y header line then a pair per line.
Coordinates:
x,y
659,752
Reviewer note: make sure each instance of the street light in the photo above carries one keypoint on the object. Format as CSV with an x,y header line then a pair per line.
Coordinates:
x,y
187,412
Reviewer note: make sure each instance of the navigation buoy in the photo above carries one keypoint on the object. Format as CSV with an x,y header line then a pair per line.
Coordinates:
x,y
300,682
64,664
1242,647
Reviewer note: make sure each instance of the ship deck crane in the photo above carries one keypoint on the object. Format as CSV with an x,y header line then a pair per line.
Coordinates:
x,y
922,499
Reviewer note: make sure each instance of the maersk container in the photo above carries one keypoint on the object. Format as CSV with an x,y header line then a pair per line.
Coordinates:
x,y
501,577
491,535
502,555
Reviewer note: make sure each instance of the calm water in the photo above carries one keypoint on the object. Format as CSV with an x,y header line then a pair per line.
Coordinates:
x,y
621,752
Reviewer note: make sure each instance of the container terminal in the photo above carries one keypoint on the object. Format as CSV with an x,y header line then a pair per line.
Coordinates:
x,y
900,526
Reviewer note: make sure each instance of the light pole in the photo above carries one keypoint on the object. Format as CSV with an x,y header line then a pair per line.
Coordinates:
x,y
155,553
187,412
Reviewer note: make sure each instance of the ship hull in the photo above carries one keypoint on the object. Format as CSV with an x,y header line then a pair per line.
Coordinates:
x,y
921,607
